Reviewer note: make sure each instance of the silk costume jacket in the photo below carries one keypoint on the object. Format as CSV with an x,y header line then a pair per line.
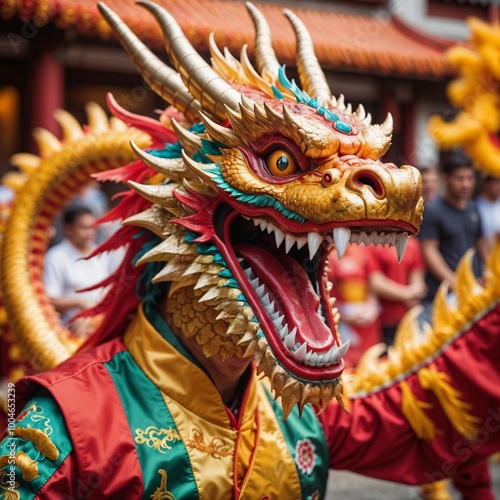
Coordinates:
x,y
138,418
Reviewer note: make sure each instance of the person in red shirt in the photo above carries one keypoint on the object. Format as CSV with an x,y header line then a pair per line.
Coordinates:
x,y
356,302
398,286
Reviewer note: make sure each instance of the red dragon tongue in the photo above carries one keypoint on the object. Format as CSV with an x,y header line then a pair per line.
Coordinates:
x,y
293,293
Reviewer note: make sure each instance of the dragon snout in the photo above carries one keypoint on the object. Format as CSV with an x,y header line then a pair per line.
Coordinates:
x,y
362,179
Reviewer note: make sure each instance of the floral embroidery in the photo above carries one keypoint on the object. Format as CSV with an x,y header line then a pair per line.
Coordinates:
x,y
217,448
314,495
161,493
157,438
305,458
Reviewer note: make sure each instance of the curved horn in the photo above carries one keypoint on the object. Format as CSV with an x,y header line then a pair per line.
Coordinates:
x,y
266,59
163,80
311,75
202,81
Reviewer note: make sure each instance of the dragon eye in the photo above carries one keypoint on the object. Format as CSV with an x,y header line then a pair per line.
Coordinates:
x,y
281,163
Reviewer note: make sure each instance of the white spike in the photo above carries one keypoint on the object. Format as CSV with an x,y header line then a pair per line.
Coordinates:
x,y
289,242
401,242
279,236
340,102
388,125
300,354
314,241
360,112
368,119
341,237
290,339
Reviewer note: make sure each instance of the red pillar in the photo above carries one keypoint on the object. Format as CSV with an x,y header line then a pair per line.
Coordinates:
x,y
46,90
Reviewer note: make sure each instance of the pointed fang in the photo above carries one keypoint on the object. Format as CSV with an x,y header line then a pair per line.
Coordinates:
x,y
341,237
401,242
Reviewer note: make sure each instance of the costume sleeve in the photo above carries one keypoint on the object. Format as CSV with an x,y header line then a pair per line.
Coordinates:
x,y
428,420
36,455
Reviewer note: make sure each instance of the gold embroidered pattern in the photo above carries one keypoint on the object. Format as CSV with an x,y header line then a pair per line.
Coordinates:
x,y
217,447
41,441
157,438
35,414
7,490
161,493
28,467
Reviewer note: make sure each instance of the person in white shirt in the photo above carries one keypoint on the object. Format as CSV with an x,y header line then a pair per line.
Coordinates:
x,y
67,270
488,205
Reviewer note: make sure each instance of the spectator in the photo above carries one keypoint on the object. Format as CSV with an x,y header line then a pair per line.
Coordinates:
x,y
357,304
488,205
398,286
451,224
66,269
430,183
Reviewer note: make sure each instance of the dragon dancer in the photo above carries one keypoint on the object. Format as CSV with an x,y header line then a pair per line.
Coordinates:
x,y
226,230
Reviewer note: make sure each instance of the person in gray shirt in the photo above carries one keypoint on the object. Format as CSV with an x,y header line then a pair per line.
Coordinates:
x,y
451,224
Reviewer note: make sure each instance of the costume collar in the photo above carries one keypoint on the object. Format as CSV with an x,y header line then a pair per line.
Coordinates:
x,y
166,362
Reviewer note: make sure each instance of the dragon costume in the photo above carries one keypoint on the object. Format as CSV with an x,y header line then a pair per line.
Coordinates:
x,y
227,229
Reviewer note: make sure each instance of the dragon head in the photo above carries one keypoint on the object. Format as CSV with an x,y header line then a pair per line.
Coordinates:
x,y
268,182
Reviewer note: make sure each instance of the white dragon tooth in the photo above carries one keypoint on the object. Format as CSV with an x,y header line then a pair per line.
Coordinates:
x,y
279,236
260,290
314,241
270,228
348,109
300,354
308,357
249,273
283,332
333,354
289,242
269,308
341,237
255,283
266,300
368,119
401,241
344,348
274,316
256,221
301,242
290,339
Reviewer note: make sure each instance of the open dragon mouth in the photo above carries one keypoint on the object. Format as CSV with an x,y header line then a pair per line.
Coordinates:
x,y
283,277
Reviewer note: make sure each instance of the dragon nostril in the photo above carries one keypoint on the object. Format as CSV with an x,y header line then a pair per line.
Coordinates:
x,y
369,179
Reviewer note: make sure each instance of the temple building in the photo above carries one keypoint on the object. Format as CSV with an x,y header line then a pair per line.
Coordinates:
x,y
387,55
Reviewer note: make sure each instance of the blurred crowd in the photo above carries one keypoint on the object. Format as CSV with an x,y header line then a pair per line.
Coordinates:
x,y
374,291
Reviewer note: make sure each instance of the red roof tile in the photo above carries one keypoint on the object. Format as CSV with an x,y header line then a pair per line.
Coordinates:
x,y
347,41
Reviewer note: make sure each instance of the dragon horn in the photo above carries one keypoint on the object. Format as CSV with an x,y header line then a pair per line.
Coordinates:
x,y
163,80
311,75
213,92
266,59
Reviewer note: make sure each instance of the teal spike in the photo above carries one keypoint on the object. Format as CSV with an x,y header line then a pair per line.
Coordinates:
x,y
218,259
233,283
171,151
242,298
225,273
190,237
277,93
209,147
